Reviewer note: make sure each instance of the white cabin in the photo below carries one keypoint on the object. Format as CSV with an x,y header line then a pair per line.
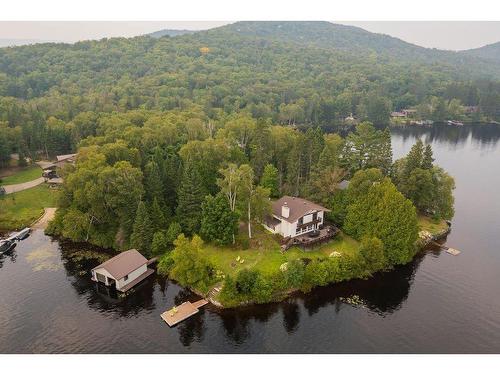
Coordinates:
x,y
293,216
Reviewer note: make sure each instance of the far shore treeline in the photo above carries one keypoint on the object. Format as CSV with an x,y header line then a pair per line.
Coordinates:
x,y
305,73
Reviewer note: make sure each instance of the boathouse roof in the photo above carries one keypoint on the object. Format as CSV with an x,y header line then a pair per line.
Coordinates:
x,y
124,263
298,207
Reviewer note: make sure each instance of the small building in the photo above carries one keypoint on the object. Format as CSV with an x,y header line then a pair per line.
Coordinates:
x,y
293,216
123,271
398,114
61,161
409,112
64,159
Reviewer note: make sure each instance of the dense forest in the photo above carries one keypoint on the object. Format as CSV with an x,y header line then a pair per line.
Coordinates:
x,y
183,140
290,73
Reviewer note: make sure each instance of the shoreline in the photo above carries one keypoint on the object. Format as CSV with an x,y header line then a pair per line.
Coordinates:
x,y
423,243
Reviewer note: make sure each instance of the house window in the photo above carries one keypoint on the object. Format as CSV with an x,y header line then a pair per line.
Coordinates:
x,y
125,278
301,221
315,216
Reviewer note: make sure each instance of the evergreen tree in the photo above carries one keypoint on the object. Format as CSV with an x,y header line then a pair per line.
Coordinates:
x,y
269,180
190,197
159,244
174,230
385,213
153,183
384,152
158,221
218,223
142,233
414,158
427,157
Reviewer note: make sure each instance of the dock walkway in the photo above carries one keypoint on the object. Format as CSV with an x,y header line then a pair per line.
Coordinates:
x,y
179,313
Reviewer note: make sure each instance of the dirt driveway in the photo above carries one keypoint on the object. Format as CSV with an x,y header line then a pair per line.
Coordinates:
x,y
9,189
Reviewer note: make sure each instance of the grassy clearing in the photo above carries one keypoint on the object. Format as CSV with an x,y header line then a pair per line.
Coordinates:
x,y
430,225
20,209
28,174
264,255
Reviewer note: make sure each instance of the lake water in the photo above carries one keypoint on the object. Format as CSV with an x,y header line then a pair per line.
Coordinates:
x,y
437,304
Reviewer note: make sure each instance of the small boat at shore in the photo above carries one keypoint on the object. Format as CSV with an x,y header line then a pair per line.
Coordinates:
x,y
19,236
455,123
6,246
23,234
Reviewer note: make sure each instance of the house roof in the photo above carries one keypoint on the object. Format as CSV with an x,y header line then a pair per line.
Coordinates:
x,y
45,164
298,207
124,263
65,157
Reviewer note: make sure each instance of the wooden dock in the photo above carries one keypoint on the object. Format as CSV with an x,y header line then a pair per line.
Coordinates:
x,y
179,313
453,251
449,250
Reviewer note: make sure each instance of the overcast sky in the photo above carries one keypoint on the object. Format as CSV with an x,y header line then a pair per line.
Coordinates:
x,y
444,35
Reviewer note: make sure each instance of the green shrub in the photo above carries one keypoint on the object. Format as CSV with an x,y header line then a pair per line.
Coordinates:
x,y
246,280
372,251
294,274
315,273
165,264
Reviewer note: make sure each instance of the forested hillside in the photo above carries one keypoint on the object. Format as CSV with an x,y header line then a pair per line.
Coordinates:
x,y
489,52
307,73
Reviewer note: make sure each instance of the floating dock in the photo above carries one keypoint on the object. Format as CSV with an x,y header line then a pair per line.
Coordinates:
x,y
449,250
179,313
453,251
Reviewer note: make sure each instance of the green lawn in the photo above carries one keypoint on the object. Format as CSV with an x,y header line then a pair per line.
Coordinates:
x,y
28,174
430,225
264,252
20,209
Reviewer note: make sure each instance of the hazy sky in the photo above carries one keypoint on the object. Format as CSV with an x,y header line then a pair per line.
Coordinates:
x,y
445,35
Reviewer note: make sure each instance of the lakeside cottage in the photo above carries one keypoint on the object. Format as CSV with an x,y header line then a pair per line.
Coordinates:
x,y
123,271
293,216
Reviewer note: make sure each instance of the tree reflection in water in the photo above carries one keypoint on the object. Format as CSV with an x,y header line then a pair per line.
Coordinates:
x,y
383,294
291,315
11,254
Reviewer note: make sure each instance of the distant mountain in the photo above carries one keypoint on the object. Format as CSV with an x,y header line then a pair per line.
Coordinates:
x,y
20,42
488,52
346,38
351,41
170,32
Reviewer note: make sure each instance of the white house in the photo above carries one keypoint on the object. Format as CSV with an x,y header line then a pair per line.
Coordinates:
x,y
292,216
123,271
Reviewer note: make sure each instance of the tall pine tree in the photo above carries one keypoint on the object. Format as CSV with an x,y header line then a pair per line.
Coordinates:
x,y
427,158
142,233
190,197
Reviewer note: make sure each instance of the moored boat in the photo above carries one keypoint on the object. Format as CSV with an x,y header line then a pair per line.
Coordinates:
x,y
6,245
455,123
23,234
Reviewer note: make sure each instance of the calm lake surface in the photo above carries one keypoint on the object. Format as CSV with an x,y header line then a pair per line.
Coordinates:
x,y
437,304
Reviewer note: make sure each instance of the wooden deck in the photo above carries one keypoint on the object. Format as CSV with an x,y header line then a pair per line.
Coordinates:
x,y
136,281
179,313
325,234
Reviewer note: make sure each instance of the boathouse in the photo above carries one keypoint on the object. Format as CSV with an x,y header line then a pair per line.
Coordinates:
x,y
123,271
